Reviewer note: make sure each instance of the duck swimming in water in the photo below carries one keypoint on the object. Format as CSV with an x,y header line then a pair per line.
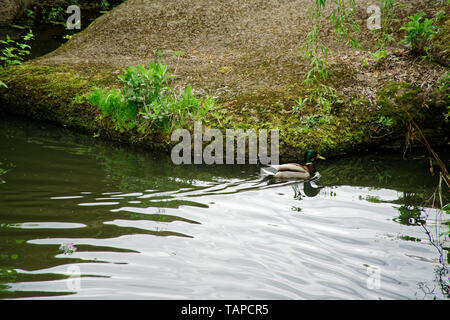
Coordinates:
x,y
295,170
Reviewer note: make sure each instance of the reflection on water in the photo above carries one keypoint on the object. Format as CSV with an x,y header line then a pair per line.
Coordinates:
x,y
136,226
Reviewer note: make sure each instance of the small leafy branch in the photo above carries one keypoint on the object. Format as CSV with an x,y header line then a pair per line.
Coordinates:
x,y
324,97
52,15
104,6
317,53
345,26
14,52
2,171
346,29
315,50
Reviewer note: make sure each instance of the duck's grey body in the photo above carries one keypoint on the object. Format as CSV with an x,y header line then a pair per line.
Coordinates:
x,y
294,170
289,171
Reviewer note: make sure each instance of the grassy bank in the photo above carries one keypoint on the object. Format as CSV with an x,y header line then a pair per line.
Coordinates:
x,y
58,94
368,100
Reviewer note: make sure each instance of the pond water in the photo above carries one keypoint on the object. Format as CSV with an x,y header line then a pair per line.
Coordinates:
x,y
135,226
47,37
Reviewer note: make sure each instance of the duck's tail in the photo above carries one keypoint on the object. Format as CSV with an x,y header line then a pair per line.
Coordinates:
x,y
262,164
270,171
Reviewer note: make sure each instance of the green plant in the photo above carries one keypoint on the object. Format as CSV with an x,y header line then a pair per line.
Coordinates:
x,y
446,208
315,119
323,96
439,15
385,121
346,28
385,35
158,54
104,5
28,36
177,108
112,103
327,97
2,171
319,65
317,53
177,54
143,86
444,84
146,92
14,51
220,115
379,55
385,38
418,32
387,4
30,14
52,15
2,84
365,62
300,104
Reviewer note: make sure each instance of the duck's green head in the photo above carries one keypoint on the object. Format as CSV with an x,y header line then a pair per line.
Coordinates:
x,y
312,155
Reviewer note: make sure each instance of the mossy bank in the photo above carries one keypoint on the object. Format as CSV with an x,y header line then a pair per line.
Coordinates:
x,y
249,62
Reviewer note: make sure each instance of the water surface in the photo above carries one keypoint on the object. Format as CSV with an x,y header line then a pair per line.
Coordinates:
x,y
143,228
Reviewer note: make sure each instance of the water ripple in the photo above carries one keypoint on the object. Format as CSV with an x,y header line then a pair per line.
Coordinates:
x,y
147,229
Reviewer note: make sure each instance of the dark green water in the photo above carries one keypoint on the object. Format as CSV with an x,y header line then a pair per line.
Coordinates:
x,y
144,228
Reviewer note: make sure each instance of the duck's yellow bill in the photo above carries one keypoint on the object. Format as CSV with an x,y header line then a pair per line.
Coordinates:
x,y
320,157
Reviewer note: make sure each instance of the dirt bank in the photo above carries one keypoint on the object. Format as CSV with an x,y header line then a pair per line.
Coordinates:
x,y
244,53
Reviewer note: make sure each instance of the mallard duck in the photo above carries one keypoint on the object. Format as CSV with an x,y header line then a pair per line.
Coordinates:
x,y
295,170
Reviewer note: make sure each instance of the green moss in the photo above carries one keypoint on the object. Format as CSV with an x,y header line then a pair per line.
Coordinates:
x,y
42,92
58,93
273,110
400,101
403,102
440,46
